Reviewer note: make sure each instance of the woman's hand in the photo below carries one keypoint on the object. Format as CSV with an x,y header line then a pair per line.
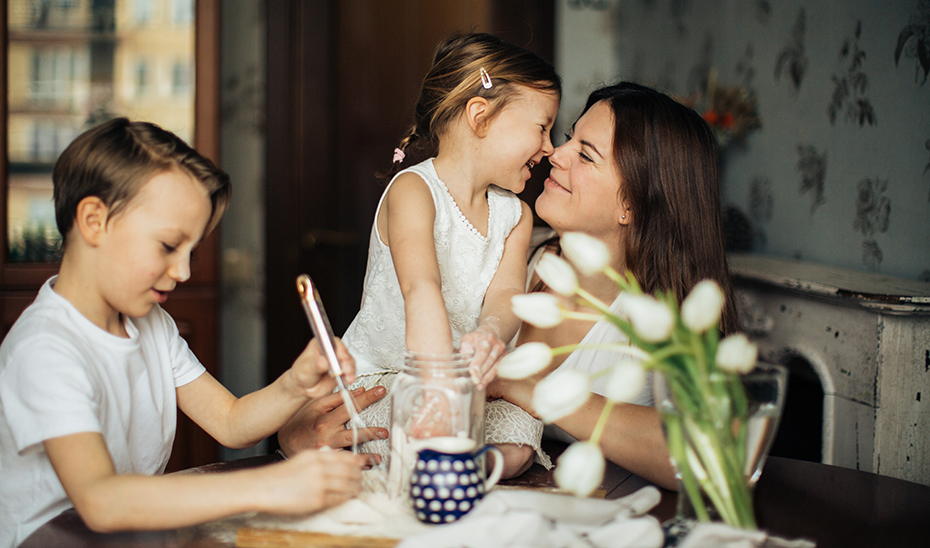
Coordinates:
x,y
321,423
487,348
517,391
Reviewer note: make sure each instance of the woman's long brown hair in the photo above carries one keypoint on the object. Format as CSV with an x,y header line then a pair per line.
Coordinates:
x,y
668,161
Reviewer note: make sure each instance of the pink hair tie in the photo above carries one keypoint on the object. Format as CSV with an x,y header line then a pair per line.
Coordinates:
x,y
398,155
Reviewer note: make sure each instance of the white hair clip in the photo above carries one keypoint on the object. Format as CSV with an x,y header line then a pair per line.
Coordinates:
x,y
485,79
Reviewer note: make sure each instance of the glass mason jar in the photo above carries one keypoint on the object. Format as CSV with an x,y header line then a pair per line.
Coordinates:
x,y
433,396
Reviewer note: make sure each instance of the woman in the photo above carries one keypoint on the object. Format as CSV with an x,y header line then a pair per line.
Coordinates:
x,y
639,172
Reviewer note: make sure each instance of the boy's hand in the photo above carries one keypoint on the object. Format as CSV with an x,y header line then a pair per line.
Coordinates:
x,y
311,369
312,480
487,348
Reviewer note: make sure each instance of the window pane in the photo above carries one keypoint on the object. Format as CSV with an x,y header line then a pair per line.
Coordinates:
x,y
73,64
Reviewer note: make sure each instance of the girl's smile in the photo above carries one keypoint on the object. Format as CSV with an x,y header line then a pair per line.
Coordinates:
x,y
519,135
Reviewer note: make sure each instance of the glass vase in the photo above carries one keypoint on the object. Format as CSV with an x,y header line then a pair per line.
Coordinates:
x,y
719,431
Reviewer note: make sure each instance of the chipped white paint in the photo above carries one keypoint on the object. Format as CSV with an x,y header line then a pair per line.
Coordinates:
x,y
867,337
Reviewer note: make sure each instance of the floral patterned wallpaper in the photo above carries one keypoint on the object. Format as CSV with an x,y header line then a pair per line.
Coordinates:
x,y
839,171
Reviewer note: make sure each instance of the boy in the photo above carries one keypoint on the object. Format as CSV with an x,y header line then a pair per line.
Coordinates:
x,y
92,373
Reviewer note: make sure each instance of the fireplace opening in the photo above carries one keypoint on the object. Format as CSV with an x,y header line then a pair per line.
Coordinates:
x,y
800,433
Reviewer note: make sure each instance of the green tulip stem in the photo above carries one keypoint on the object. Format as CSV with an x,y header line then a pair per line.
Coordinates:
x,y
601,422
581,316
592,300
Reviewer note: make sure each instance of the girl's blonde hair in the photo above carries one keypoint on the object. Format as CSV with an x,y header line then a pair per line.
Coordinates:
x,y
455,77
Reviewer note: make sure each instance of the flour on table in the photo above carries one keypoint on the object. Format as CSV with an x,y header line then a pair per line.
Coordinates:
x,y
372,514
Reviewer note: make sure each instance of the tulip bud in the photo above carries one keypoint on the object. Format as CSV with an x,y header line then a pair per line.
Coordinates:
x,y
625,382
588,254
557,274
702,307
560,394
651,319
735,353
540,309
580,469
525,360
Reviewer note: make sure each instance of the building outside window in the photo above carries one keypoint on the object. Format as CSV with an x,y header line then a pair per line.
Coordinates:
x,y
72,64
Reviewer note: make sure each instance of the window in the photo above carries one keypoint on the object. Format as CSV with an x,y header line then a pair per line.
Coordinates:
x,y
180,78
143,78
53,48
182,12
143,11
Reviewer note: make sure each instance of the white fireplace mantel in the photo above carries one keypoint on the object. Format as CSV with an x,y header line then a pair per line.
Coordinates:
x,y
867,337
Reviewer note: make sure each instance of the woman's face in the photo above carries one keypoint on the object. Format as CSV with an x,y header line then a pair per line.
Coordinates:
x,y
582,191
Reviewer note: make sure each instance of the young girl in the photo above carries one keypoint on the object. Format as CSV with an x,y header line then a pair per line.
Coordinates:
x,y
449,242
93,372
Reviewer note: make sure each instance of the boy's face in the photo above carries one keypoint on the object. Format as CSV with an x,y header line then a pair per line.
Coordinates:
x,y
147,247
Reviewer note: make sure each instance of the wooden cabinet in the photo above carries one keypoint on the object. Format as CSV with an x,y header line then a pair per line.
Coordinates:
x,y
194,305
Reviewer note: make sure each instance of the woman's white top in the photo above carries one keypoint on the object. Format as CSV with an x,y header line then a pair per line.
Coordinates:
x,y
602,333
467,263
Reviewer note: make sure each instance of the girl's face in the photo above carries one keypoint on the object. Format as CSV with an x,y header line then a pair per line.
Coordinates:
x,y
147,247
518,137
582,191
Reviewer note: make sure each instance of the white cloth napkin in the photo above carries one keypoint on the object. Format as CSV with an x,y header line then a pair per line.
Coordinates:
x,y
513,519
518,519
719,535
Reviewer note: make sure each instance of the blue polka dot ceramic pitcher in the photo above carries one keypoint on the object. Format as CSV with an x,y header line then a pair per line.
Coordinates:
x,y
447,481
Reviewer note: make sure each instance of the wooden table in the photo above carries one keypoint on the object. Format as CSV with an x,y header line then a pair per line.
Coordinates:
x,y
833,506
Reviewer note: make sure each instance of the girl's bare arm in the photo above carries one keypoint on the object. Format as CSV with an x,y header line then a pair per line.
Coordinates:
x,y
497,323
410,214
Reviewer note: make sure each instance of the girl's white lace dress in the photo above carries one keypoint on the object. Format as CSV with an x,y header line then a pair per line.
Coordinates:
x,y
467,263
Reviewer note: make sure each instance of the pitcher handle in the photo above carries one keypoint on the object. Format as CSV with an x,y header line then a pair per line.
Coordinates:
x,y
498,466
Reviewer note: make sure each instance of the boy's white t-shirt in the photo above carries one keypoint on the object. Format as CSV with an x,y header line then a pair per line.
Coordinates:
x,y
60,374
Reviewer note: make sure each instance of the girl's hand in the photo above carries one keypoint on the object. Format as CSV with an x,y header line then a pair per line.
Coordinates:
x,y
487,348
311,369
311,481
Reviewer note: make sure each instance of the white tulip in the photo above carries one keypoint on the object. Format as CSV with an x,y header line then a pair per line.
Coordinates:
x,y
735,353
588,254
580,469
560,394
702,308
557,274
626,381
540,309
651,319
527,359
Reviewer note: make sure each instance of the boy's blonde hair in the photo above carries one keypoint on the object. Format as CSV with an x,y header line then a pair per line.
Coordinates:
x,y
456,76
113,160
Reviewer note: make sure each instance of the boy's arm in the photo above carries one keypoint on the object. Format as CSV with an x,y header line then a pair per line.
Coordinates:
x,y
243,422
410,216
107,501
497,323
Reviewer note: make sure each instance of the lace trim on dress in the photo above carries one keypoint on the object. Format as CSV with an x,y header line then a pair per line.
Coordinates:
x,y
462,216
